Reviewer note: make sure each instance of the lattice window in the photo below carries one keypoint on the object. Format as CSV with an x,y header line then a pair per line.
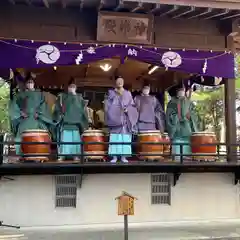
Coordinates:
x,y
161,188
66,190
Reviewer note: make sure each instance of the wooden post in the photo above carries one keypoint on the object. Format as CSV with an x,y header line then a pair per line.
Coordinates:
x,y
1,148
230,111
230,121
125,227
125,208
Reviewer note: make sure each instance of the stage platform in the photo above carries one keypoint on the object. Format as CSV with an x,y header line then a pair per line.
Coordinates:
x,y
71,167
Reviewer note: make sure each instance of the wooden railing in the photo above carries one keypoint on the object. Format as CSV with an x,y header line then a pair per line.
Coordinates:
x,y
220,154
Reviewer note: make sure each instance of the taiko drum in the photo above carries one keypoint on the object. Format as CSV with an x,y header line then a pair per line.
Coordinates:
x,y
145,149
199,138
96,136
38,149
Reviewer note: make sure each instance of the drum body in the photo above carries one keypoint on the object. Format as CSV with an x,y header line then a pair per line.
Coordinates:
x,y
99,149
167,145
39,136
199,138
150,136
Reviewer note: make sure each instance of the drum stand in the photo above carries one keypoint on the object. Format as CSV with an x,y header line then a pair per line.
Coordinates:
x,y
204,158
150,158
34,159
95,158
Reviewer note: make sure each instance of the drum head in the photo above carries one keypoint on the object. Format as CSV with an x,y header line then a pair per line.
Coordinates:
x,y
35,131
203,134
149,133
93,133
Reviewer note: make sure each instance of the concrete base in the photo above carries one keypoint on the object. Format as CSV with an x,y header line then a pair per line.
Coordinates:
x,y
227,229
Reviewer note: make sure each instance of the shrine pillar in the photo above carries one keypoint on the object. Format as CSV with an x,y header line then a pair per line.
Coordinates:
x,y
230,111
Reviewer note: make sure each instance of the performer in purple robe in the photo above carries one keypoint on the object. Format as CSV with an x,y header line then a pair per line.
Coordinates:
x,y
151,114
121,118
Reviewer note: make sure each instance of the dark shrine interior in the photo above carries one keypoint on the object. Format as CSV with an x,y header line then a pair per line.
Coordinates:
x,y
93,82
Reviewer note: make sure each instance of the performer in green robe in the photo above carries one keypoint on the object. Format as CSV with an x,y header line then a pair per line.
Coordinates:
x,y
28,110
70,113
181,121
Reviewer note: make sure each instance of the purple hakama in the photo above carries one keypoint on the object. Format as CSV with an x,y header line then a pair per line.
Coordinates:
x,y
121,117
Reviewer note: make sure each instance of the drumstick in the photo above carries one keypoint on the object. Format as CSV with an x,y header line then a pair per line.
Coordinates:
x,y
61,104
62,110
190,93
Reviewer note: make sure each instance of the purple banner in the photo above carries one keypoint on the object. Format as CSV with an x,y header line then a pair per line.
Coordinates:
x,y
30,54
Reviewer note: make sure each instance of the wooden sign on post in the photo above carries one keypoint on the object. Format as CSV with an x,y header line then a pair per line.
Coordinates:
x,y
126,208
126,204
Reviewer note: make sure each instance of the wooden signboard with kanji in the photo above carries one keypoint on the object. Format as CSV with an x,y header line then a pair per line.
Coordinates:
x,y
125,27
126,204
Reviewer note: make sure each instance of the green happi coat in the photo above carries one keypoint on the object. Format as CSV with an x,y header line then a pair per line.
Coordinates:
x,y
181,118
33,105
181,122
72,120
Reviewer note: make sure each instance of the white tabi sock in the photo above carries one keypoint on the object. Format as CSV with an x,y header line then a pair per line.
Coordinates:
x,y
60,159
114,160
76,159
123,159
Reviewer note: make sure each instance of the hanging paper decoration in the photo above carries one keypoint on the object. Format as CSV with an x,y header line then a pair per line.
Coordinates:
x,y
205,66
79,58
11,74
236,64
217,80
